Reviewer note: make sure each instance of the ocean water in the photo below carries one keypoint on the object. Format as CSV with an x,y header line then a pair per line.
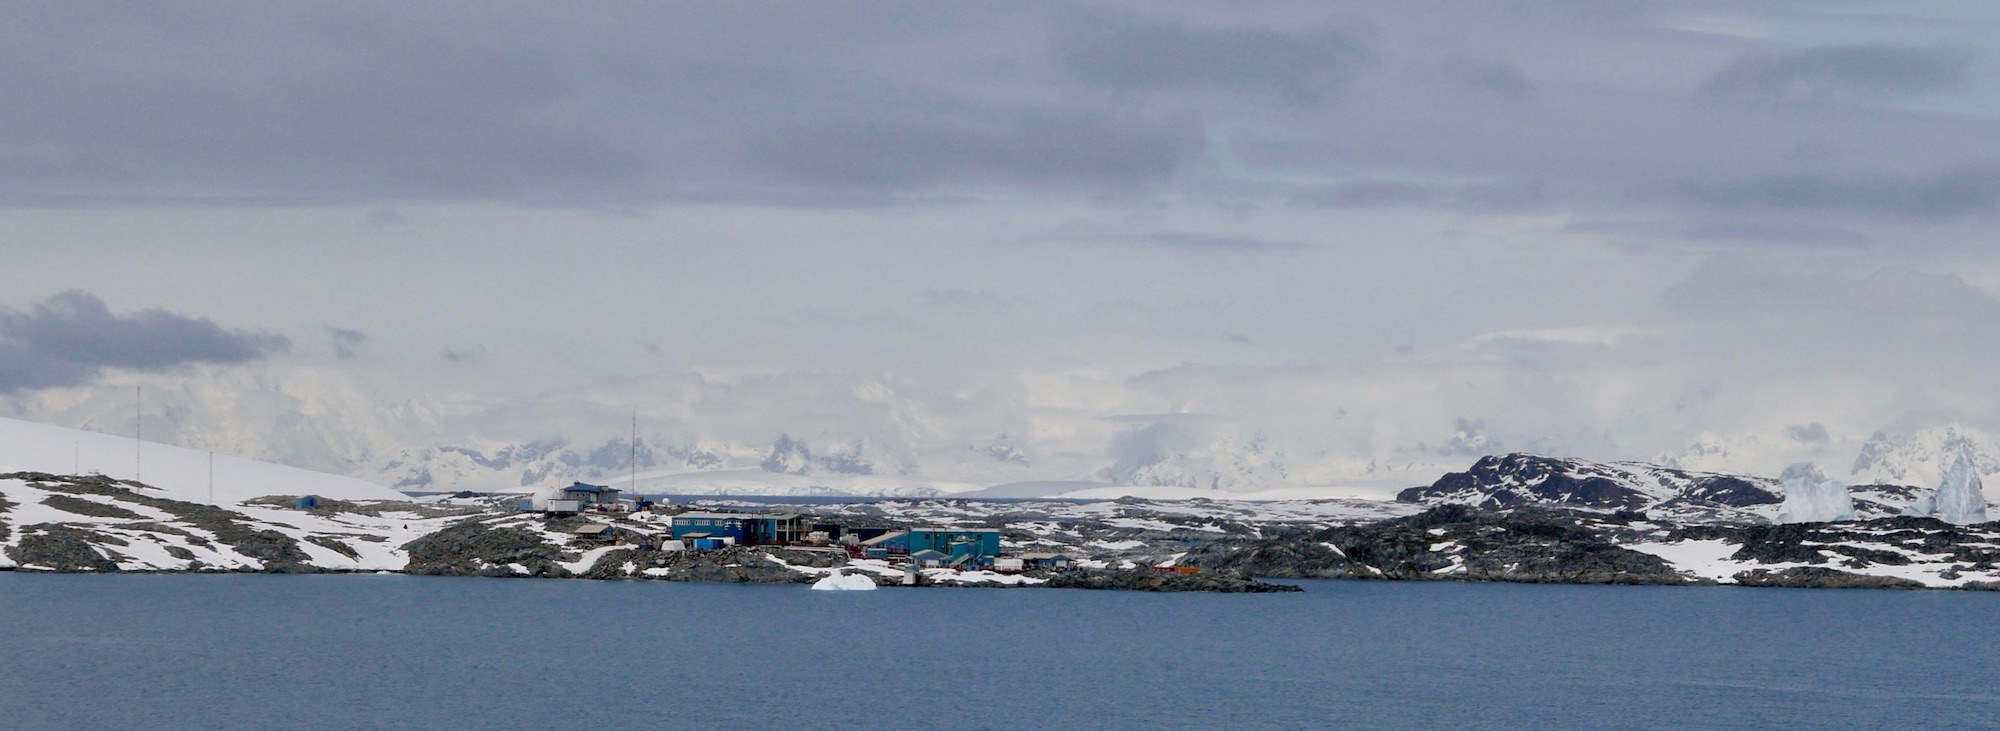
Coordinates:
x,y
397,652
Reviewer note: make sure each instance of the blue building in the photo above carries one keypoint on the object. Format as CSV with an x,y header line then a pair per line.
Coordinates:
x,y
587,495
981,544
895,542
713,525
775,529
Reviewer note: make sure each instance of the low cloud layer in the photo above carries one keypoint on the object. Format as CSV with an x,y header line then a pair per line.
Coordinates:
x,y
1828,73
72,337
1366,233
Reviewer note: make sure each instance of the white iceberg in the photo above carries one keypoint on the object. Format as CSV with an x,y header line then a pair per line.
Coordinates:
x,y
838,581
1961,497
1812,498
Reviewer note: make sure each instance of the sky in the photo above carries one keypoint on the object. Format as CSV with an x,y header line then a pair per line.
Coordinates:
x,y
1261,242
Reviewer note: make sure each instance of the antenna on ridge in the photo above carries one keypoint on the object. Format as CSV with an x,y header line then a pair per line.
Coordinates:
x,y
138,423
635,454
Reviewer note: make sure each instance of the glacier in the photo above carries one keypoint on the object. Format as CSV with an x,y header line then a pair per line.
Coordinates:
x,y
1812,498
1961,497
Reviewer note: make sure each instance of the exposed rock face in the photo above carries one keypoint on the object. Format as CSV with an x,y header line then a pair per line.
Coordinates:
x,y
1451,542
1894,541
92,508
276,552
1143,580
473,548
1815,577
729,565
1518,480
61,548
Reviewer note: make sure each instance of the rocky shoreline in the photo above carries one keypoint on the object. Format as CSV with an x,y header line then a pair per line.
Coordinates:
x,y
94,524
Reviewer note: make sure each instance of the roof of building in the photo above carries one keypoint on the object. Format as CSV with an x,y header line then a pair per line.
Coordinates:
x,y
885,538
581,487
591,529
921,555
708,514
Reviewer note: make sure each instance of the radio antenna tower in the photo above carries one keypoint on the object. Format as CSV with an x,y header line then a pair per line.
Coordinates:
x,y
138,424
635,454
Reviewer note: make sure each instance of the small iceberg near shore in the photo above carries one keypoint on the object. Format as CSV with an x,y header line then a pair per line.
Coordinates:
x,y
838,581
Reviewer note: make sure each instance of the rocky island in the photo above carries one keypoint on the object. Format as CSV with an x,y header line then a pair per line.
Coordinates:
x,y
1515,518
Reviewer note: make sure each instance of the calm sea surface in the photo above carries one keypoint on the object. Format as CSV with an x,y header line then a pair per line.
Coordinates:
x,y
396,652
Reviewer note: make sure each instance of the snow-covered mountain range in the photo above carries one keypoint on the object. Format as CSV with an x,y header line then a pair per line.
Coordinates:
x,y
330,420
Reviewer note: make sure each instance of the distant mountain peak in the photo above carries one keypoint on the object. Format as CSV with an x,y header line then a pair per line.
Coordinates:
x,y
1922,457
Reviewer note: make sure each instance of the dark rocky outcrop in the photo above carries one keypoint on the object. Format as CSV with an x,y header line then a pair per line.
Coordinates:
x,y
1523,479
1847,541
277,552
1518,480
744,565
62,548
1818,577
1145,580
474,548
1451,542
92,508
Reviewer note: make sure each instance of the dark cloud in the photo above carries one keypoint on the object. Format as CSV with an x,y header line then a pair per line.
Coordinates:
x,y
1813,433
1834,71
1956,192
345,341
1210,242
1452,107
1129,54
390,104
1775,232
1026,145
1501,79
462,356
71,338
1089,244
1453,196
961,301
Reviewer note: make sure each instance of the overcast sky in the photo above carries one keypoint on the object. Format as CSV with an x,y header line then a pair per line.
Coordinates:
x,y
1364,231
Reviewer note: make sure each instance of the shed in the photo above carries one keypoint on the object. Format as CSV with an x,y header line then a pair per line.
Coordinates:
x,y
929,558
308,502
598,531
1047,560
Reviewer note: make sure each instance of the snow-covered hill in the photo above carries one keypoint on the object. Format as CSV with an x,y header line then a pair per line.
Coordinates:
x,y
1527,479
1663,492
183,474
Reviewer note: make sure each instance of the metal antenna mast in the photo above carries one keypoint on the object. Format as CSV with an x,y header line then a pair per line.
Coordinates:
x,y
138,424
635,454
